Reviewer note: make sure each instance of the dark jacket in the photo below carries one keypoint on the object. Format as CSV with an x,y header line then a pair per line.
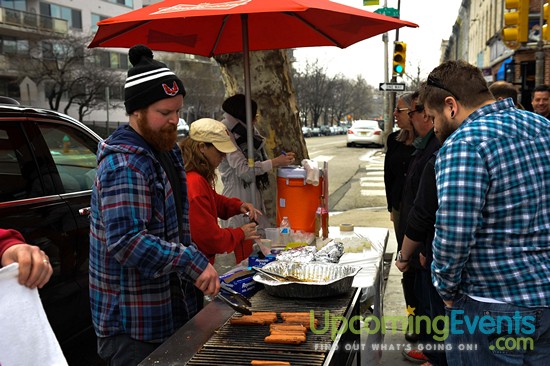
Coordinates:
x,y
425,148
396,163
421,221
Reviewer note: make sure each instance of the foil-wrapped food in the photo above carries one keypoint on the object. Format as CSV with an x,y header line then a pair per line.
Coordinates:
x,y
330,253
304,254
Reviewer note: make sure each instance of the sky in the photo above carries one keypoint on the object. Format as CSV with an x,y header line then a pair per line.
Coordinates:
x,y
435,19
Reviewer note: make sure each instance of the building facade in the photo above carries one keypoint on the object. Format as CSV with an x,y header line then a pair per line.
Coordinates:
x,y
29,28
477,38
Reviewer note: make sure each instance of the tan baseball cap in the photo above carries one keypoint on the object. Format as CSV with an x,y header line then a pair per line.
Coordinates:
x,y
214,132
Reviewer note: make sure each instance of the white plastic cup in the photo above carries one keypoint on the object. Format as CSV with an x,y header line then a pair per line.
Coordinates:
x,y
272,233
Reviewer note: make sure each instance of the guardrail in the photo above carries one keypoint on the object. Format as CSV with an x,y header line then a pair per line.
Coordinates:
x,y
33,21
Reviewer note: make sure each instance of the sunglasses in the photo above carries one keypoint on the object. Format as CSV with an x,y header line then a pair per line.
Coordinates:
x,y
432,81
399,110
415,110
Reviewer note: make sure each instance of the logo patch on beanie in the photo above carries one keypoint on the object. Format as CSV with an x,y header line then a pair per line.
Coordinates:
x,y
171,91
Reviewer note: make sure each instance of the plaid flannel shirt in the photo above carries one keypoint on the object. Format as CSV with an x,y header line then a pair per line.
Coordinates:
x,y
139,266
492,234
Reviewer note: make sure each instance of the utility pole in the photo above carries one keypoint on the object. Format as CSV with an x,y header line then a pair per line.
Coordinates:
x,y
539,54
390,97
388,118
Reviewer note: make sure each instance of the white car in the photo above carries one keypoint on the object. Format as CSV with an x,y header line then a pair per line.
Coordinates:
x,y
365,132
183,128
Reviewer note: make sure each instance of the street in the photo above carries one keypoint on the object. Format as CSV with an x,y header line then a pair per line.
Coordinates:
x,y
356,174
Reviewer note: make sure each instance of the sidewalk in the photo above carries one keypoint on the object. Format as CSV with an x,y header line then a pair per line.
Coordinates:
x,y
394,303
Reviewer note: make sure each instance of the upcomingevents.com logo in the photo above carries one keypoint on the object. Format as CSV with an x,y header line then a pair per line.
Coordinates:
x,y
508,332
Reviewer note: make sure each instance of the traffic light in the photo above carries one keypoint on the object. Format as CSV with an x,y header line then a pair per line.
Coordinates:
x,y
399,57
516,21
545,28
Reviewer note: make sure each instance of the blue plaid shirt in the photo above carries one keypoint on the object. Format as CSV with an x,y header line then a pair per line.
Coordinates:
x,y
142,272
492,234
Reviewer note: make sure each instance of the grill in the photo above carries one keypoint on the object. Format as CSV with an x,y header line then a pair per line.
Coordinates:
x,y
209,338
238,345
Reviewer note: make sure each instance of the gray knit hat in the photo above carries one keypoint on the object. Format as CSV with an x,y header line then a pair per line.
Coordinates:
x,y
149,80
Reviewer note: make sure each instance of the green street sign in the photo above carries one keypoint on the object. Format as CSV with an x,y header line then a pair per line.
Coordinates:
x,y
391,12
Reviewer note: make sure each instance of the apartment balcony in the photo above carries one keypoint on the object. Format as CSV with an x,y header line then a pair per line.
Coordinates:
x,y
23,24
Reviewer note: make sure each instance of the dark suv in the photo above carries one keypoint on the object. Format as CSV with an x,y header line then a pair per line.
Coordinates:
x,y
47,167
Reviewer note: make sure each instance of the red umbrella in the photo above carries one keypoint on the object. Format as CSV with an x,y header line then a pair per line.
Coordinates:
x,y
217,27
214,27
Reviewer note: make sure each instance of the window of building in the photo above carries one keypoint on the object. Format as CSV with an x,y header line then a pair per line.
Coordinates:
x,y
128,3
14,4
13,46
96,18
111,60
72,16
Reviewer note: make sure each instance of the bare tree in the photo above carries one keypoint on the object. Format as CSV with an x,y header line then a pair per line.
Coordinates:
x,y
332,98
70,73
204,86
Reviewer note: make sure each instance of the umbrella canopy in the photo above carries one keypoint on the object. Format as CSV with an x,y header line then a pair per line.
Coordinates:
x,y
216,27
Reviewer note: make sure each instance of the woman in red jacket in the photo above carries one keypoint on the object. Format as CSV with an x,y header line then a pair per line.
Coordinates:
x,y
203,150
34,266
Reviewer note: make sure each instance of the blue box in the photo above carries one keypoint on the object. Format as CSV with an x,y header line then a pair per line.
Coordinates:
x,y
255,261
240,280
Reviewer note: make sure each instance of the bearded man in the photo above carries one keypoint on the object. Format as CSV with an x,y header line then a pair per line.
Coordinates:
x,y
491,249
147,278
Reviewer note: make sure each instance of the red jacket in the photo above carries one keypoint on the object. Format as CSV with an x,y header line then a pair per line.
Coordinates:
x,y
205,207
9,238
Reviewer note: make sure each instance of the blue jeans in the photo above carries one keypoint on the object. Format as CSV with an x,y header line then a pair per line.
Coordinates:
x,y
497,334
431,305
121,350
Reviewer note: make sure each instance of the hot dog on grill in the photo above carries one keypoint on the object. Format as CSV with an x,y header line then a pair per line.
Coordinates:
x,y
269,363
285,339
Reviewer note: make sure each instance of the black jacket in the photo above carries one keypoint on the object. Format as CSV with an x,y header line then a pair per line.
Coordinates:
x,y
396,163
421,221
424,152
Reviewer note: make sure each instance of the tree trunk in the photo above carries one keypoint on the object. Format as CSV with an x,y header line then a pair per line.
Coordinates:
x,y
278,117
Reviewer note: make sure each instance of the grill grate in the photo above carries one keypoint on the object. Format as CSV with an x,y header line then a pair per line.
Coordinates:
x,y
238,345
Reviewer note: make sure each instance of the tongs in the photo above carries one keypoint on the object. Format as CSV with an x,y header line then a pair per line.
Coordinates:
x,y
278,277
234,299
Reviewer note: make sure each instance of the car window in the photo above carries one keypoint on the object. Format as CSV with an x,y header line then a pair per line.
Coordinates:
x,y
73,156
366,124
19,175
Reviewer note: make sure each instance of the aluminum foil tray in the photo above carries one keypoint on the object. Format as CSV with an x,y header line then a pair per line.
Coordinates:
x,y
324,279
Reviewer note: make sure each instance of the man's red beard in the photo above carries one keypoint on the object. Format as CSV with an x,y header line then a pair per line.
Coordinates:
x,y
162,140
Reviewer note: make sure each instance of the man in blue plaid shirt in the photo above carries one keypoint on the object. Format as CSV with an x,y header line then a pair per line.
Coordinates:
x,y
491,251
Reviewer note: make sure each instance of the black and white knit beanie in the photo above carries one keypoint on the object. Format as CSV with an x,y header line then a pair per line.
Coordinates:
x,y
148,81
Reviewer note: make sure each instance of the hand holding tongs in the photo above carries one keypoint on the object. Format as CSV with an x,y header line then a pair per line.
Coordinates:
x,y
234,299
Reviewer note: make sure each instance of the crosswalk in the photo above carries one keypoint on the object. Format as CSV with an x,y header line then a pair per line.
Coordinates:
x,y
372,180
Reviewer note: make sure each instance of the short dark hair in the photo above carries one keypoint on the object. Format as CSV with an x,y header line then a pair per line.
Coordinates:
x,y
540,88
457,79
503,89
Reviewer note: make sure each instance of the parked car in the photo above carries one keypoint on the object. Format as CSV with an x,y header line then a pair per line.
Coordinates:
x,y
47,168
183,128
364,132
325,131
315,131
334,130
306,131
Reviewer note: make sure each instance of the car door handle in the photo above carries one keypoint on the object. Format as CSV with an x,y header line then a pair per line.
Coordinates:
x,y
84,211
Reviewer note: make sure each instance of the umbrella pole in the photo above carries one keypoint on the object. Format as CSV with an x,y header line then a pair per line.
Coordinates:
x,y
249,117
